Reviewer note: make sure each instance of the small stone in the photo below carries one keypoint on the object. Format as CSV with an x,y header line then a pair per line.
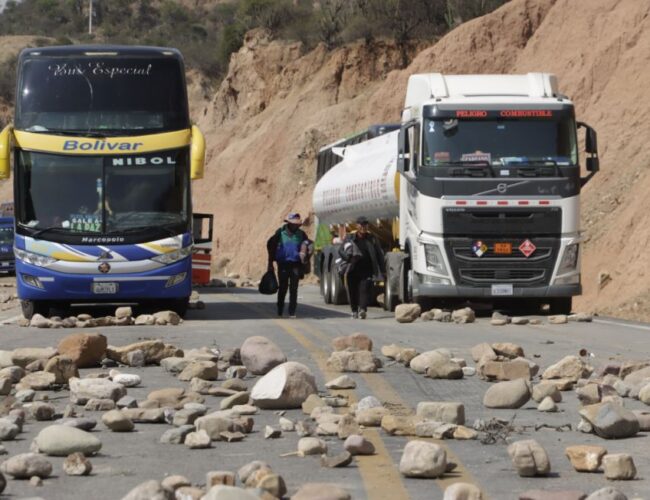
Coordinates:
x,y
61,441
511,394
611,421
342,382
287,425
357,341
407,313
136,358
76,464
607,493
42,411
271,433
464,433
464,315
85,424
127,402
123,312
204,370
529,458
149,490
589,394
321,491
35,481
462,491
585,458
371,417
347,426
423,459
341,460
547,405
25,396
217,477
358,445
469,371
517,320
238,398
172,483
619,466
232,437
95,404
544,390
399,425
449,412
238,372
558,319
198,440
177,435
8,430
353,361
127,379
260,355
311,446
117,421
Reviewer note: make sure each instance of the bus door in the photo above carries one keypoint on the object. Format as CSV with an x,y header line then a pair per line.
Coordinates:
x,y
202,254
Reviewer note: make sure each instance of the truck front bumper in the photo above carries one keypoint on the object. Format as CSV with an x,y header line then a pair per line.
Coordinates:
x,y
452,291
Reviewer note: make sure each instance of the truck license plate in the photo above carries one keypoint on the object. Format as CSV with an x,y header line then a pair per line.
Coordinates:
x,y
501,290
503,248
104,288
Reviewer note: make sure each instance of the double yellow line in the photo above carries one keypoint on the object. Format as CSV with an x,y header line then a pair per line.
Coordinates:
x,y
380,475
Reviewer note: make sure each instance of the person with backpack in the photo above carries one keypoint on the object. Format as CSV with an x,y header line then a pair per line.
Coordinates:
x,y
363,260
290,248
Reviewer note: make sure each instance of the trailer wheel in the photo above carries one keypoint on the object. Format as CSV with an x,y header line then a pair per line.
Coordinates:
x,y
31,307
327,285
561,305
339,293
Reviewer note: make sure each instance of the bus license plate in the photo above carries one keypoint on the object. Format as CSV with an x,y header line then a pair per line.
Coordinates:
x,y
501,290
104,288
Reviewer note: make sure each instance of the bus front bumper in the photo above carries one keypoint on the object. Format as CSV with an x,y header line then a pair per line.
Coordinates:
x,y
39,283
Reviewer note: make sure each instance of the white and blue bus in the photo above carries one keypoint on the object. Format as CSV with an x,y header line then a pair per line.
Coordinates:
x,y
103,154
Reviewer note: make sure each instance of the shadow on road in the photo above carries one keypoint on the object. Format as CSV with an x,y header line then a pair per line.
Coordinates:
x,y
231,310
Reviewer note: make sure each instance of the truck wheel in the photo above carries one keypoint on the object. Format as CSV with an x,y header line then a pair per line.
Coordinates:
x,y
339,293
391,283
31,307
327,285
561,305
406,281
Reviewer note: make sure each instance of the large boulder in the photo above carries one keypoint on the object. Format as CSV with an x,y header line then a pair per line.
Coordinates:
x,y
359,341
154,351
81,390
529,458
423,459
511,394
62,440
569,367
611,421
286,386
422,362
407,313
260,355
86,349
27,465
444,411
205,370
585,458
37,381
505,370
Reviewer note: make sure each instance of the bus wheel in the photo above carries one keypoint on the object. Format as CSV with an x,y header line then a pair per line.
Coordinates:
x,y
31,307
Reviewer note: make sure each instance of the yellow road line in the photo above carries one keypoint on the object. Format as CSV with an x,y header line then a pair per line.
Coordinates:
x,y
380,476
387,393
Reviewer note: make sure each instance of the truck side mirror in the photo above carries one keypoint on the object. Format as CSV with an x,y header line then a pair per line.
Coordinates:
x,y
591,148
5,153
197,154
403,157
593,164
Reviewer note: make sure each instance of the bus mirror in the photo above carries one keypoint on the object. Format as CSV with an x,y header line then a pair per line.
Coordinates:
x,y
5,144
197,154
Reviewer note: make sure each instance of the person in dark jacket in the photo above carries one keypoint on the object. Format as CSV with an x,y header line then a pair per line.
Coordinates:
x,y
365,260
289,247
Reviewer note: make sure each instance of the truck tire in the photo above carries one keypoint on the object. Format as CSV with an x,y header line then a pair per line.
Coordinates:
x,y
327,285
561,305
339,293
391,283
31,307
405,281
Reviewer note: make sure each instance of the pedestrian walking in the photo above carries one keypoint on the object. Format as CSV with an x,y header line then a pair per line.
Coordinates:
x,y
365,265
290,248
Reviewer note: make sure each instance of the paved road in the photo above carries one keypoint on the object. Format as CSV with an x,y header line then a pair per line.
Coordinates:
x,y
231,315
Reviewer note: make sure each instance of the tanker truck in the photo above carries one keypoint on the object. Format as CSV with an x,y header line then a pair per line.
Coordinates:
x,y
475,195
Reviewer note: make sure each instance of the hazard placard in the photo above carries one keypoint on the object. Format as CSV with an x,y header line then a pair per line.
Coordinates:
x,y
527,248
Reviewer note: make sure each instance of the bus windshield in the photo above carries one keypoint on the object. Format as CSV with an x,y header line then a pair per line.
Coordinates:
x,y
107,95
77,195
499,142
6,235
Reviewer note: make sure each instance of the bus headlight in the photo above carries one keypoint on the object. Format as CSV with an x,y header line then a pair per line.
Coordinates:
x,y
175,256
175,280
569,259
434,259
33,258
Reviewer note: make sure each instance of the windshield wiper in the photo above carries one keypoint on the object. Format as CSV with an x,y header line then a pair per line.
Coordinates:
x,y
44,230
133,229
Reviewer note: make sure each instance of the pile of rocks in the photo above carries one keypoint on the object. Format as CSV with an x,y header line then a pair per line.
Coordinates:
x,y
123,317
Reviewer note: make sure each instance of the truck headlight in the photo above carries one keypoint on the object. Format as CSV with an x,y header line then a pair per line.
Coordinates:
x,y
33,258
175,256
570,258
434,259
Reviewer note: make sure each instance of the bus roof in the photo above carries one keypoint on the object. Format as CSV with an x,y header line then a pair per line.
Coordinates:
x,y
89,50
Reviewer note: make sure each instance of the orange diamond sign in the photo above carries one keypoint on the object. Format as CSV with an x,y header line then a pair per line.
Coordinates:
x,y
527,248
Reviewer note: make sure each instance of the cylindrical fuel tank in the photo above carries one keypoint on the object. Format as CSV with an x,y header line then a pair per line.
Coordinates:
x,y
364,183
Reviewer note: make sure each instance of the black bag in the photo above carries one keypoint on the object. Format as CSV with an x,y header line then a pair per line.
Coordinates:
x,y
269,283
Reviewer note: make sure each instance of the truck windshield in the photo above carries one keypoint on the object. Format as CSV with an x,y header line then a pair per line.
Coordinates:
x,y
6,235
499,142
103,194
111,95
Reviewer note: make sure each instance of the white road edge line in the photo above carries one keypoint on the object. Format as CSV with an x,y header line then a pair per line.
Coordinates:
x,y
638,327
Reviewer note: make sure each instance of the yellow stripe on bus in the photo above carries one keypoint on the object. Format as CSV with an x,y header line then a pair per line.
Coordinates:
x,y
129,145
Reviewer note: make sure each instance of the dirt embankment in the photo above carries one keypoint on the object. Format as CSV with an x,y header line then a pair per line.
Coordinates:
x,y
277,106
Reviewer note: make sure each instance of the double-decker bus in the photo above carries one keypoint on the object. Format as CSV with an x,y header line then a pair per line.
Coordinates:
x,y
103,154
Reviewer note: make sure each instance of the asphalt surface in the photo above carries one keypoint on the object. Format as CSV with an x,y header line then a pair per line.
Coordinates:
x,y
231,315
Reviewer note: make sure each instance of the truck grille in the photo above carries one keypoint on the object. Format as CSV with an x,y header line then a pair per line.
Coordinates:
x,y
490,268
